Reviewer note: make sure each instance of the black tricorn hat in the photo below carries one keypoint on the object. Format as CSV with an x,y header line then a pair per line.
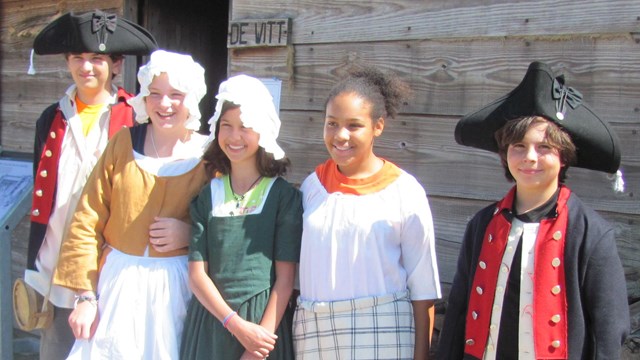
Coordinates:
x,y
543,94
94,32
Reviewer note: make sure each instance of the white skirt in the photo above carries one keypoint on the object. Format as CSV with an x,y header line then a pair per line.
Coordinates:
x,y
142,305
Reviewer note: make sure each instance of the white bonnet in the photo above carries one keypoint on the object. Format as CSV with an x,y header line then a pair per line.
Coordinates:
x,y
257,110
184,74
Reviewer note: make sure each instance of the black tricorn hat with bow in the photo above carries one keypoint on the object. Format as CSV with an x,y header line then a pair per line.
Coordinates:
x,y
543,94
94,32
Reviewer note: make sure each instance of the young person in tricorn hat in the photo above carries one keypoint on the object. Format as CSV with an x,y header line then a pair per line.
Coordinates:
x,y
70,136
538,273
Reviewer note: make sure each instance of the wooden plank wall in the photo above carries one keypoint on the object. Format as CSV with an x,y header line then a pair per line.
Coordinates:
x,y
457,56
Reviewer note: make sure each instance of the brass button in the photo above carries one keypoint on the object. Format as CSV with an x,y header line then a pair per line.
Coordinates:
x,y
555,343
38,193
555,290
555,318
52,134
479,290
557,235
48,153
43,173
555,262
470,342
35,212
482,265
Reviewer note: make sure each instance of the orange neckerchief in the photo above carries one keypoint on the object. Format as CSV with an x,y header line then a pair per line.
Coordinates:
x,y
333,181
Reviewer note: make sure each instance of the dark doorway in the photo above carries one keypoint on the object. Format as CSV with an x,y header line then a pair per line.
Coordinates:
x,y
194,27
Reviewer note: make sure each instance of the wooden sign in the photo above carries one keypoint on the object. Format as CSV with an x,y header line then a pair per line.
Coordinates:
x,y
259,33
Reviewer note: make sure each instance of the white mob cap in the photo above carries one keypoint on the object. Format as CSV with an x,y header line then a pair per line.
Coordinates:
x,y
184,74
257,110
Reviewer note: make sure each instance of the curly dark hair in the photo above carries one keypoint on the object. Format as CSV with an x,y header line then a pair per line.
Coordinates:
x,y
514,130
385,92
217,162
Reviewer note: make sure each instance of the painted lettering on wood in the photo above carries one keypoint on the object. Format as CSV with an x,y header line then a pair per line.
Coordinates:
x,y
259,33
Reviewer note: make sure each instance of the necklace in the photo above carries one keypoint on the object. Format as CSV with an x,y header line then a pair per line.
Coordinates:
x,y
240,198
153,142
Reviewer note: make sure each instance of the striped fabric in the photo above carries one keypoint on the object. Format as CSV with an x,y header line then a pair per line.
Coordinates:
x,y
368,328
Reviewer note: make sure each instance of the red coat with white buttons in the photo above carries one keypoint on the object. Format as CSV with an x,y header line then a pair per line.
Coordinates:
x,y
597,309
50,130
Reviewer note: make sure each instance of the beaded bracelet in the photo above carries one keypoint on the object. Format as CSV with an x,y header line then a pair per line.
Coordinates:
x,y
93,300
227,318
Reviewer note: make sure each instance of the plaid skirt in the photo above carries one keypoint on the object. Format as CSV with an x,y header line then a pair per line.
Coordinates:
x,y
379,327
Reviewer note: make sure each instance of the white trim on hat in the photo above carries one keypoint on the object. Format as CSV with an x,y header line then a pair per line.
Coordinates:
x,y
257,110
32,68
184,74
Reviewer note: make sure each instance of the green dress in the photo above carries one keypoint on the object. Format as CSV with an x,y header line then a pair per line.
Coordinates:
x,y
241,252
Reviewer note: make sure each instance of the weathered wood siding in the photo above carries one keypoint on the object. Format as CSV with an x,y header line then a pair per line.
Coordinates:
x,y
457,56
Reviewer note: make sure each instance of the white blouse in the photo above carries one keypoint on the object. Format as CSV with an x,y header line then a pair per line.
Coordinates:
x,y
367,245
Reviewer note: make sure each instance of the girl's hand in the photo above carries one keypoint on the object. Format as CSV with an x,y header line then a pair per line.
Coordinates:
x,y
256,340
84,320
168,234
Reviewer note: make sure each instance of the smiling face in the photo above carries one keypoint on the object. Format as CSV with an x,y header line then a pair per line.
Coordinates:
x,y
349,132
239,143
165,104
534,163
92,73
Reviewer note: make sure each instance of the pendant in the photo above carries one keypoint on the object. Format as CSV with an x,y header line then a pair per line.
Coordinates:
x,y
239,199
